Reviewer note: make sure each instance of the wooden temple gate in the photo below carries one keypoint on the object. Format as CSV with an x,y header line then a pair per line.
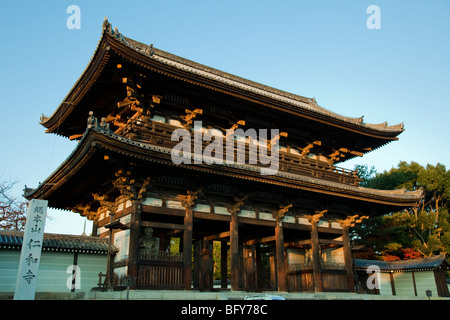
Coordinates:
x,y
123,177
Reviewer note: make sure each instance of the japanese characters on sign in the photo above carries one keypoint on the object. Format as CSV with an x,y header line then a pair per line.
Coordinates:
x,y
30,255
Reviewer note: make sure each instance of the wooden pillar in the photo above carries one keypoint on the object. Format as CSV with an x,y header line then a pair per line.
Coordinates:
x,y
188,202
258,266
196,268
234,252
279,248
223,265
187,247
250,267
346,224
206,266
317,270
135,232
348,259
281,265
315,245
234,210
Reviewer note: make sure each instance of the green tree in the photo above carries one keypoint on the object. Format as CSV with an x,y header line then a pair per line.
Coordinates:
x,y
365,173
425,229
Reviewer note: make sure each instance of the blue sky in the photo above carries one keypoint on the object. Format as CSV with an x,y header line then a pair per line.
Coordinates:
x,y
322,49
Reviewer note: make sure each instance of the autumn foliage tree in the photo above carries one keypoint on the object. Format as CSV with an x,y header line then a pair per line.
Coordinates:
x,y
12,210
415,232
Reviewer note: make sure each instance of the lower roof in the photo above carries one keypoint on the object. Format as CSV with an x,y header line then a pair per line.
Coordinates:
x,y
97,140
57,242
421,264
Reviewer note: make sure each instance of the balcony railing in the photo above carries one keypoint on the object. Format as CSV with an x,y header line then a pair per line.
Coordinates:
x,y
159,133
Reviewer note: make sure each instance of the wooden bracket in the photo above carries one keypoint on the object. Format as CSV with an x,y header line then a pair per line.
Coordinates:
x,y
188,200
351,221
313,219
235,208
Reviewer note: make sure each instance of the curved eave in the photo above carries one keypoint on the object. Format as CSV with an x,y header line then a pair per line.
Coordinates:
x,y
296,107
80,88
109,142
197,74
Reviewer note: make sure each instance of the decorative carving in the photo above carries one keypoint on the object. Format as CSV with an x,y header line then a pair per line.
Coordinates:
x,y
236,125
91,120
314,219
190,116
107,26
280,213
104,125
275,139
351,221
85,211
129,186
104,202
188,201
93,123
307,149
236,207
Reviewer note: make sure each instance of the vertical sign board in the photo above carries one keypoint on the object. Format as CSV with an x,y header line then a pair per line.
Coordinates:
x,y
30,255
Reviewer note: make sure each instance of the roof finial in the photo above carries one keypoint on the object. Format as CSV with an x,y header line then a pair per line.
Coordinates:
x,y
106,26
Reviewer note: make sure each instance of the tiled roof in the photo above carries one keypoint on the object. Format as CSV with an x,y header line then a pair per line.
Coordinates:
x,y
429,263
180,63
57,242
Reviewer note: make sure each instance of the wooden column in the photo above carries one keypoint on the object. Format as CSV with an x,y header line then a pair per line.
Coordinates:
x,y
206,266
348,259
346,224
188,202
250,266
258,266
196,268
223,265
234,210
134,190
187,247
315,245
110,205
280,250
135,231
234,252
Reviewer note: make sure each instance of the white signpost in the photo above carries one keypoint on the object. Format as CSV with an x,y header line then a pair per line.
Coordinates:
x,y
30,256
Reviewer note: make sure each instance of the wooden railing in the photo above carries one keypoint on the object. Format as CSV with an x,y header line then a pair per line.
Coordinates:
x,y
160,270
158,133
334,277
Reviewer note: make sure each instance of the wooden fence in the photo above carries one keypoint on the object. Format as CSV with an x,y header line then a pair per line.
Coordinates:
x,y
334,278
160,270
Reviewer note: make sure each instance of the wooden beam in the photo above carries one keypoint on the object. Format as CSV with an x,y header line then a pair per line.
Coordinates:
x,y
262,240
221,235
334,242
75,136
163,225
306,149
357,153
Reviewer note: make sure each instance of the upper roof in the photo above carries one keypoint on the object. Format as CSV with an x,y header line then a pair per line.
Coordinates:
x,y
428,263
57,242
167,63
